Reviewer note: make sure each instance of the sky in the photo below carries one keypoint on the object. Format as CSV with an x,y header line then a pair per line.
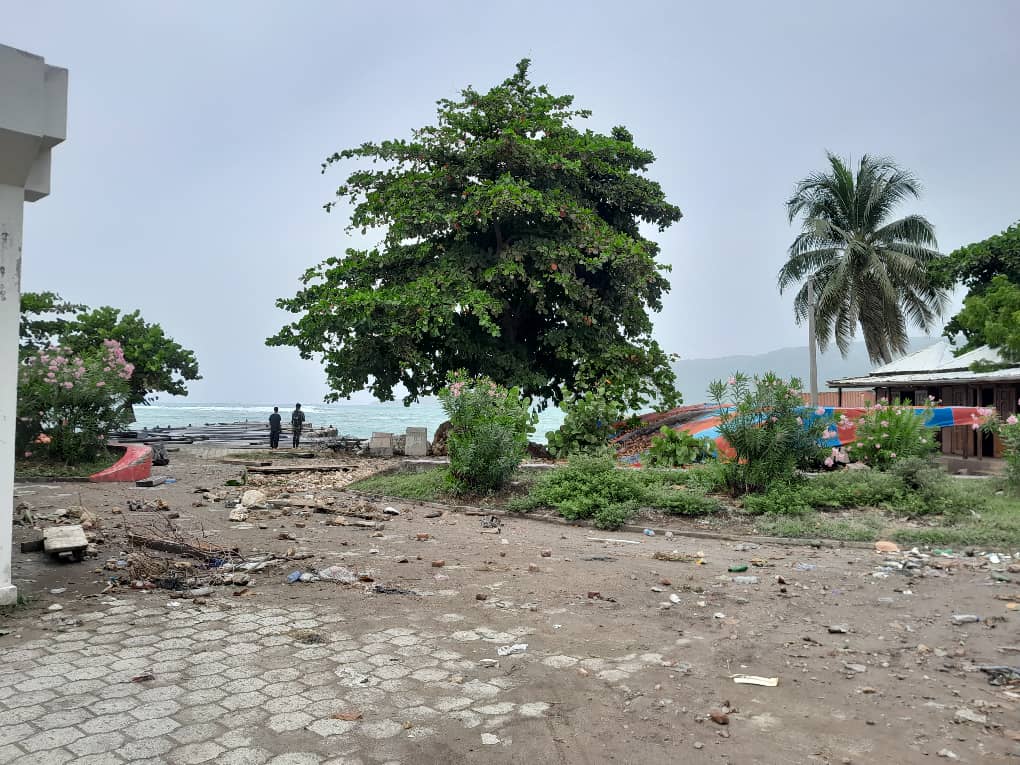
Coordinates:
x,y
190,187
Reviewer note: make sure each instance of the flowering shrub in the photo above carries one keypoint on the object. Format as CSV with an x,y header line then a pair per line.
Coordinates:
x,y
887,433
69,404
588,423
767,428
1008,431
489,429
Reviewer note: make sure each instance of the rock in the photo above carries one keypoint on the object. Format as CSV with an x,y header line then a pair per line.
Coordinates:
x,y
438,563
391,511
439,439
546,553
969,715
253,498
238,514
481,596
490,739
965,618
838,629
339,574
855,668
533,568
948,754
719,717
674,599
698,745
55,607
488,663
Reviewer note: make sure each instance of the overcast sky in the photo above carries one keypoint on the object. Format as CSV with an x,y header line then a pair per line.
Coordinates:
x,y
189,185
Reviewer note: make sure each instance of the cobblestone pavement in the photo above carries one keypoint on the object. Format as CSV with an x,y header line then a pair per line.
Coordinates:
x,y
252,685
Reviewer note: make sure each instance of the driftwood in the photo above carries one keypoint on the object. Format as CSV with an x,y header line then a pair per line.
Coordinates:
x,y
201,550
283,469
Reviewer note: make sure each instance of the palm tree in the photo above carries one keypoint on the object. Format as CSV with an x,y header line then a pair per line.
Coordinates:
x,y
867,270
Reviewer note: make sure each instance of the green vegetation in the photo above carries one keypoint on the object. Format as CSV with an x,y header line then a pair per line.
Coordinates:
x,y
512,247
43,467
889,433
431,485
589,418
68,404
159,363
489,429
594,487
676,448
868,270
763,423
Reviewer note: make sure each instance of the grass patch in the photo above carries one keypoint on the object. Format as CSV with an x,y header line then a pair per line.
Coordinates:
x,y
427,486
44,468
593,487
936,510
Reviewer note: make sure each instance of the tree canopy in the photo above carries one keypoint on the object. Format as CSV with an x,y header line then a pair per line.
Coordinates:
x,y
990,269
161,365
511,247
869,270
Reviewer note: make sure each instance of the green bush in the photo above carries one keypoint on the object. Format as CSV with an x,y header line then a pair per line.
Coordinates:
x,y
765,426
588,423
69,404
676,448
593,487
913,489
888,433
489,429
1008,432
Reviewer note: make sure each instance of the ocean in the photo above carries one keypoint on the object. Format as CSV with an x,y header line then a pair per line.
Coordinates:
x,y
351,419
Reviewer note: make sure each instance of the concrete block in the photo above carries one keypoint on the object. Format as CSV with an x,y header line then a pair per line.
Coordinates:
x,y
381,445
416,443
64,539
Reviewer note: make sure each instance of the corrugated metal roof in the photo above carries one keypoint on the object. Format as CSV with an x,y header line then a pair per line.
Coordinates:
x,y
934,364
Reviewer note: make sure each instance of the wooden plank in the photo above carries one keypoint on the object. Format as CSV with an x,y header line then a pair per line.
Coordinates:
x,y
299,468
200,550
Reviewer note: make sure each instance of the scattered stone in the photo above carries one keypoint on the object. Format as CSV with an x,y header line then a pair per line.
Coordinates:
x,y
674,599
719,717
838,629
698,745
546,553
532,568
488,663
434,514
55,607
308,637
965,619
481,596
490,739
348,716
948,754
253,498
238,514
969,715
438,563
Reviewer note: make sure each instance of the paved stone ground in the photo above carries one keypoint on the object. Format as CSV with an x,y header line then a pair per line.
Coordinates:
x,y
249,685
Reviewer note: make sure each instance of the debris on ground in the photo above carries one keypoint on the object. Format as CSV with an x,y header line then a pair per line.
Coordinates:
x,y
676,556
767,682
508,650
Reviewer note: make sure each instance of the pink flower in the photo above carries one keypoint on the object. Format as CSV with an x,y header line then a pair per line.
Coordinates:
x,y
885,423
878,446
829,462
1011,420
975,426
892,454
69,385
100,384
820,411
28,454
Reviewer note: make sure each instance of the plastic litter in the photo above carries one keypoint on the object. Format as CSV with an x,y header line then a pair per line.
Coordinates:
x,y
649,533
965,618
507,650
745,580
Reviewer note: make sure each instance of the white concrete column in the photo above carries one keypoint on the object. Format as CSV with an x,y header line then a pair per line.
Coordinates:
x,y
12,199
33,119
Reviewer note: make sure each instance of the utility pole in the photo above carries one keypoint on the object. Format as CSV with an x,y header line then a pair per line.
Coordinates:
x,y
812,345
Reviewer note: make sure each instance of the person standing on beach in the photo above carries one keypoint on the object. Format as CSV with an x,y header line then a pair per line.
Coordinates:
x,y
297,421
275,426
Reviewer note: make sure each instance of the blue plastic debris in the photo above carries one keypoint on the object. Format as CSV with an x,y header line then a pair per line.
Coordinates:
x,y
293,577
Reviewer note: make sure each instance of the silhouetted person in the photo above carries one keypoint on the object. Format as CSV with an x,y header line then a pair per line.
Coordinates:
x,y
297,421
275,426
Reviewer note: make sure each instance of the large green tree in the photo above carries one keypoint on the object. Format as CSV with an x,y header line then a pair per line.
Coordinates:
x,y
870,270
161,364
511,246
990,269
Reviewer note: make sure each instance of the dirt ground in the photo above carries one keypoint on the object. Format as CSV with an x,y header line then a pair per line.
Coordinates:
x,y
627,656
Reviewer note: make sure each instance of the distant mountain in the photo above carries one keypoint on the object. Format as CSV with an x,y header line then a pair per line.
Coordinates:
x,y
694,375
